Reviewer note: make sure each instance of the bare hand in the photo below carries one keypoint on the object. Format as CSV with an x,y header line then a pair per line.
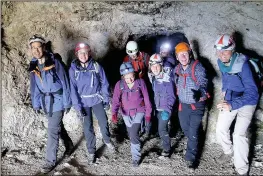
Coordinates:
x,y
224,106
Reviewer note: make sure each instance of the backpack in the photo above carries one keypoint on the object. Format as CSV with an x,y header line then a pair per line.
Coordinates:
x,y
96,66
192,71
122,85
177,71
122,89
50,62
257,70
256,66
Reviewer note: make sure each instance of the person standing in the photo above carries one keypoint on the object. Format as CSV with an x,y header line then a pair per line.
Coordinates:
x,y
164,98
131,97
90,91
191,84
239,101
165,53
49,86
140,61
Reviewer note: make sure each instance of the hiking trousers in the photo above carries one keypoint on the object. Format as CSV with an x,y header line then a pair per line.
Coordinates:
x,y
133,125
240,147
89,133
56,129
163,131
190,121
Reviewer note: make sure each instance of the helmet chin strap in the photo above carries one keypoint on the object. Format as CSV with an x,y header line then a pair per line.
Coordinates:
x,y
84,63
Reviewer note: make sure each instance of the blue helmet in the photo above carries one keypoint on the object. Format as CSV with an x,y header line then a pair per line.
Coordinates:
x,y
126,68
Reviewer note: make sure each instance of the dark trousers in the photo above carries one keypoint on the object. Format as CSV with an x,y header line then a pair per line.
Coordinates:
x,y
163,131
133,125
190,121
88,126
56,129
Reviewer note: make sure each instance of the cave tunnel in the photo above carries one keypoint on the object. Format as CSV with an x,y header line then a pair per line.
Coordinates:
x,y
147,43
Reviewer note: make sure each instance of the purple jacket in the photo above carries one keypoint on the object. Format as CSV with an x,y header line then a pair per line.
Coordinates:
x,y
89,86
131,100
164,90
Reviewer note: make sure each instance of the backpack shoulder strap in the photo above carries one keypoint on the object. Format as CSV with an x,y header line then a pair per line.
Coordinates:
x,y
96,66
121,85
144,57
193,70
140,83
177,69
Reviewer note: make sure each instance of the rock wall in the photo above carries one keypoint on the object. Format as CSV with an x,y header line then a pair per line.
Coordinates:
x,y
107,26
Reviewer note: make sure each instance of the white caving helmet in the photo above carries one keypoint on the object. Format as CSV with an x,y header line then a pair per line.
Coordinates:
x,y
36,38
132,48
165,47
225,42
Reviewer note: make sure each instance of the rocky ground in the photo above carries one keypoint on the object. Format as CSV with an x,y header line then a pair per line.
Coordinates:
x,y
29,160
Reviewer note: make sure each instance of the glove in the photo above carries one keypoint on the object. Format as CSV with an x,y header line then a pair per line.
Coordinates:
x,y
106,106
114,118
148,118
37,111
197,95
147,123
165,115
66,110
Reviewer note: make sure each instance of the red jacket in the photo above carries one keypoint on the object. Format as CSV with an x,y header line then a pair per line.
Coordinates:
x,y
140,64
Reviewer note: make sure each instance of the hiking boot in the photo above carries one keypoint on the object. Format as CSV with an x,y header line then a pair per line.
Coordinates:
x,y
165,153
47,168
224,158
69,150
111,147
91,158
135,163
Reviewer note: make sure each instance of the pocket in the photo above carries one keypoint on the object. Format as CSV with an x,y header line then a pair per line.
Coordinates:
x,y
200,105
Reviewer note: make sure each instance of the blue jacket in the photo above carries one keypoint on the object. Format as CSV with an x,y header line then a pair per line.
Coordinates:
x,y
238,83
169,61
89,86
51,79
164,89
